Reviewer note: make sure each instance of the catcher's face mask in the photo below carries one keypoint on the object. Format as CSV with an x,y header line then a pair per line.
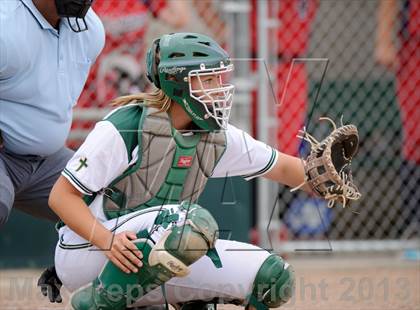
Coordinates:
x,y
208,87
191,68
74,9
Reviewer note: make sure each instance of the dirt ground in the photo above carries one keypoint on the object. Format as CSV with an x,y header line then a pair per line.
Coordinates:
x,y
323,282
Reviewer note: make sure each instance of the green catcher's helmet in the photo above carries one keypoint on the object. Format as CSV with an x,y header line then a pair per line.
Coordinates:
x,y
175,59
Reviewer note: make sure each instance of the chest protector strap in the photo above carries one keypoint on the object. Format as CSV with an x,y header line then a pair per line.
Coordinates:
x,y
171,167
172,187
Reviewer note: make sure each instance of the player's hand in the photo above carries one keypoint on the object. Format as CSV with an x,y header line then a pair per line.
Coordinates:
x,y
50,285
124,253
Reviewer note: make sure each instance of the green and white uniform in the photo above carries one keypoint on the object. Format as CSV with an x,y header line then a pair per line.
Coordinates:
x,y
134,170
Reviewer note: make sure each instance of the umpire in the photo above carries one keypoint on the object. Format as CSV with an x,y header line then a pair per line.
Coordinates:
x,y
46,50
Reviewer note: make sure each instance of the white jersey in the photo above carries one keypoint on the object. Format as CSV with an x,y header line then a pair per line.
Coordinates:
x,y
103,157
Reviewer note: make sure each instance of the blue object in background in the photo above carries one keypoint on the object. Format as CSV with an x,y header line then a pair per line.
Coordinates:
x,y
412,255
308,216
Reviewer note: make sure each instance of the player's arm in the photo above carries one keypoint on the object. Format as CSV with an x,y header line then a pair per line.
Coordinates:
x,y
88,171
385,49
66,201
247,157
288,170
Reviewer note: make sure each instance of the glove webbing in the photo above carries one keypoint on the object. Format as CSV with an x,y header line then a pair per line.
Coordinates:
x,y
344,190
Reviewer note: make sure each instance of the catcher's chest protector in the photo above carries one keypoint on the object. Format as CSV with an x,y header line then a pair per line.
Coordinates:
x,y
171,167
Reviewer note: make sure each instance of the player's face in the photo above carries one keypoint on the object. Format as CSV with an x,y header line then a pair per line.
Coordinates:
x,y
208,87
201,84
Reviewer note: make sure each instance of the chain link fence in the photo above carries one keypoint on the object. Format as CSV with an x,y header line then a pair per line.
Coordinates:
x,y
130,27
119,69
355,60
297,60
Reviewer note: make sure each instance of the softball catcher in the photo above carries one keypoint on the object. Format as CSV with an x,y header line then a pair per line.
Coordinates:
x,y
133,233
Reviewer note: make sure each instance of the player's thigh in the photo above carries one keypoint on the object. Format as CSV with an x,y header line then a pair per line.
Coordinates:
x,y
78,263
37,207
7,193
241,262
34,199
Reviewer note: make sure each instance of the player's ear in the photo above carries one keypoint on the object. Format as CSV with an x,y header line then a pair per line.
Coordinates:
x,y
152,62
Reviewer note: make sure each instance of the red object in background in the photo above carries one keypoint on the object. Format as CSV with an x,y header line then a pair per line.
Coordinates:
x,y
125,25
295,18
292,96
118,69
408,81
414,18
295,21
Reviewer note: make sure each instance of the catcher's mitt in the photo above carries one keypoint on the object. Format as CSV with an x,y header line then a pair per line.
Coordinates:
x,y
327,168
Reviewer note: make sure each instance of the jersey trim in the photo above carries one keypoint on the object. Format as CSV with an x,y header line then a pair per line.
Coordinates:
x,y
84,245
221,155
118,109
270,164
76,183
126,120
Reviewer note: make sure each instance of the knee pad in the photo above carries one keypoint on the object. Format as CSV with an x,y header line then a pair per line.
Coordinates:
x,y
179,247
273,285
183,245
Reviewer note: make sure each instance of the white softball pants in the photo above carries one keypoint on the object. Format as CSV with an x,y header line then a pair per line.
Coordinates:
x,y
78,265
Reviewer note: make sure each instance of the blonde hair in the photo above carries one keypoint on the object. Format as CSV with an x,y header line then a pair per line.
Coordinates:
x,y
156,99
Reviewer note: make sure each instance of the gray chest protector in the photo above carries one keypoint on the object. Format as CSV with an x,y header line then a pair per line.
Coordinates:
x,y
171,167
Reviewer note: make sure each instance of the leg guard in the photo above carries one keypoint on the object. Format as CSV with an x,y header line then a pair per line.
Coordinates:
x,y
170,257
273,285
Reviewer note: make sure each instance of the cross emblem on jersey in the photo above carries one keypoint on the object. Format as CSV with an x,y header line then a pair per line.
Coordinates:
x,y
83,163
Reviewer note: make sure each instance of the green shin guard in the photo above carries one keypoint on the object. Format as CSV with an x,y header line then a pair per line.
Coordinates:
x,y
178,248
115,289
273,285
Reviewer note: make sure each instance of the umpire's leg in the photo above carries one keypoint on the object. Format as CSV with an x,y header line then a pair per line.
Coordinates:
x,y
34,199
7,193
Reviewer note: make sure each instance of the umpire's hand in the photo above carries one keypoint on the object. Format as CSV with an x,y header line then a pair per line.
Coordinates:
x,y
50,284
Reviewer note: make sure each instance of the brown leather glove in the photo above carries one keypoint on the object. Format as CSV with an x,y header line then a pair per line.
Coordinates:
x,y
327,167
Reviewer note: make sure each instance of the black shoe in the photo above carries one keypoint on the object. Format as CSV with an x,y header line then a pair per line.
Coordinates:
x,y
198,305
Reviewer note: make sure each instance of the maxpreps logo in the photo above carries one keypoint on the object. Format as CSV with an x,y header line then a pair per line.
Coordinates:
x,y
173,70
